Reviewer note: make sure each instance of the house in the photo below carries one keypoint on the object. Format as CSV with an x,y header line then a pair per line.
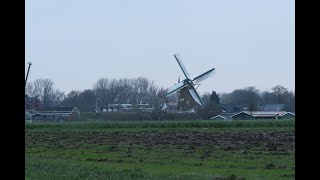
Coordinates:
x,y
223,116
248,115
130,107
54,113
144,107
171,105
114,107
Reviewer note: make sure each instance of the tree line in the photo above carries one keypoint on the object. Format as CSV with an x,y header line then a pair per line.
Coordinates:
x,y
104,92
248,97
141,90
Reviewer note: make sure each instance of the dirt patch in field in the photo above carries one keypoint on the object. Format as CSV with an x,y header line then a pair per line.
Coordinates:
x,y
187,139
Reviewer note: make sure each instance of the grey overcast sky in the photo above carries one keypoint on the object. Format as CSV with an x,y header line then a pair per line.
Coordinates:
x,y
76,42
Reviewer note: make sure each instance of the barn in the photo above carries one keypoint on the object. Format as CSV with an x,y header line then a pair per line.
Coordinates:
x,y
54,114
288,115
250,115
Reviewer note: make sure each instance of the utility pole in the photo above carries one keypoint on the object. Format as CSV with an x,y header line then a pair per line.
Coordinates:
x,y
27,74
97,104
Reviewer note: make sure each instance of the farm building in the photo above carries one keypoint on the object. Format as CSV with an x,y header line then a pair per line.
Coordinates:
x,y
130,107
54,113
171,105
223,116
248,115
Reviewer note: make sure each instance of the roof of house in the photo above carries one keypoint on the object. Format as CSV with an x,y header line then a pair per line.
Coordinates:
x,y
171,103
263,113
218,116
291,113
224,116
272,107
69,109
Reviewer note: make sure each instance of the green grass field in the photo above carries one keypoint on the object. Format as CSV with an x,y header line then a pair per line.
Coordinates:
x,y
161,150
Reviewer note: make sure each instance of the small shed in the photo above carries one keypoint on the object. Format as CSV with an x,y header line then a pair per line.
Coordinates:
x,y
55,113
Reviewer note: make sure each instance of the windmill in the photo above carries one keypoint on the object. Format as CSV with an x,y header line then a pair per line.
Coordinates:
x,y
187,85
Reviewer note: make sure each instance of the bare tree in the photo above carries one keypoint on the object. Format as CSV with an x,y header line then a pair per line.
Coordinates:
x,y
123,89
30,89
72,99
280,94
57,97
133,91
44,89
253,96
141,86
101,89
278,89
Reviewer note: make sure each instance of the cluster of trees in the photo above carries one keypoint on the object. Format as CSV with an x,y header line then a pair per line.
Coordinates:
x,y
253,98
44,89
129,91
104,92
249,97
141,90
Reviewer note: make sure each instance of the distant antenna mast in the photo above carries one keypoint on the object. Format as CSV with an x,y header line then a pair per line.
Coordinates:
x,y
27,74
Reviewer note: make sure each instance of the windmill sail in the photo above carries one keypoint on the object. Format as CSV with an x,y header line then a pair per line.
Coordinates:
x,y
176,87
164,107
203,76
183,68
196,96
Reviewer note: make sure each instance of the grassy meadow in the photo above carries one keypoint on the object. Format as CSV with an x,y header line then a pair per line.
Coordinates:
x,y
161,150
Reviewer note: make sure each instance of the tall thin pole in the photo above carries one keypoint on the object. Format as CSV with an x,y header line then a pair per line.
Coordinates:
x,y
27,74
97,104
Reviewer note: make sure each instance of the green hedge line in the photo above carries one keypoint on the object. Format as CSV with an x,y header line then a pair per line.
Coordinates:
x,y
138,116
99,125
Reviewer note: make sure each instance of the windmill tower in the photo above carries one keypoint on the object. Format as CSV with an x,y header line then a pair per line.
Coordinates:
x,y
185,101
188,96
